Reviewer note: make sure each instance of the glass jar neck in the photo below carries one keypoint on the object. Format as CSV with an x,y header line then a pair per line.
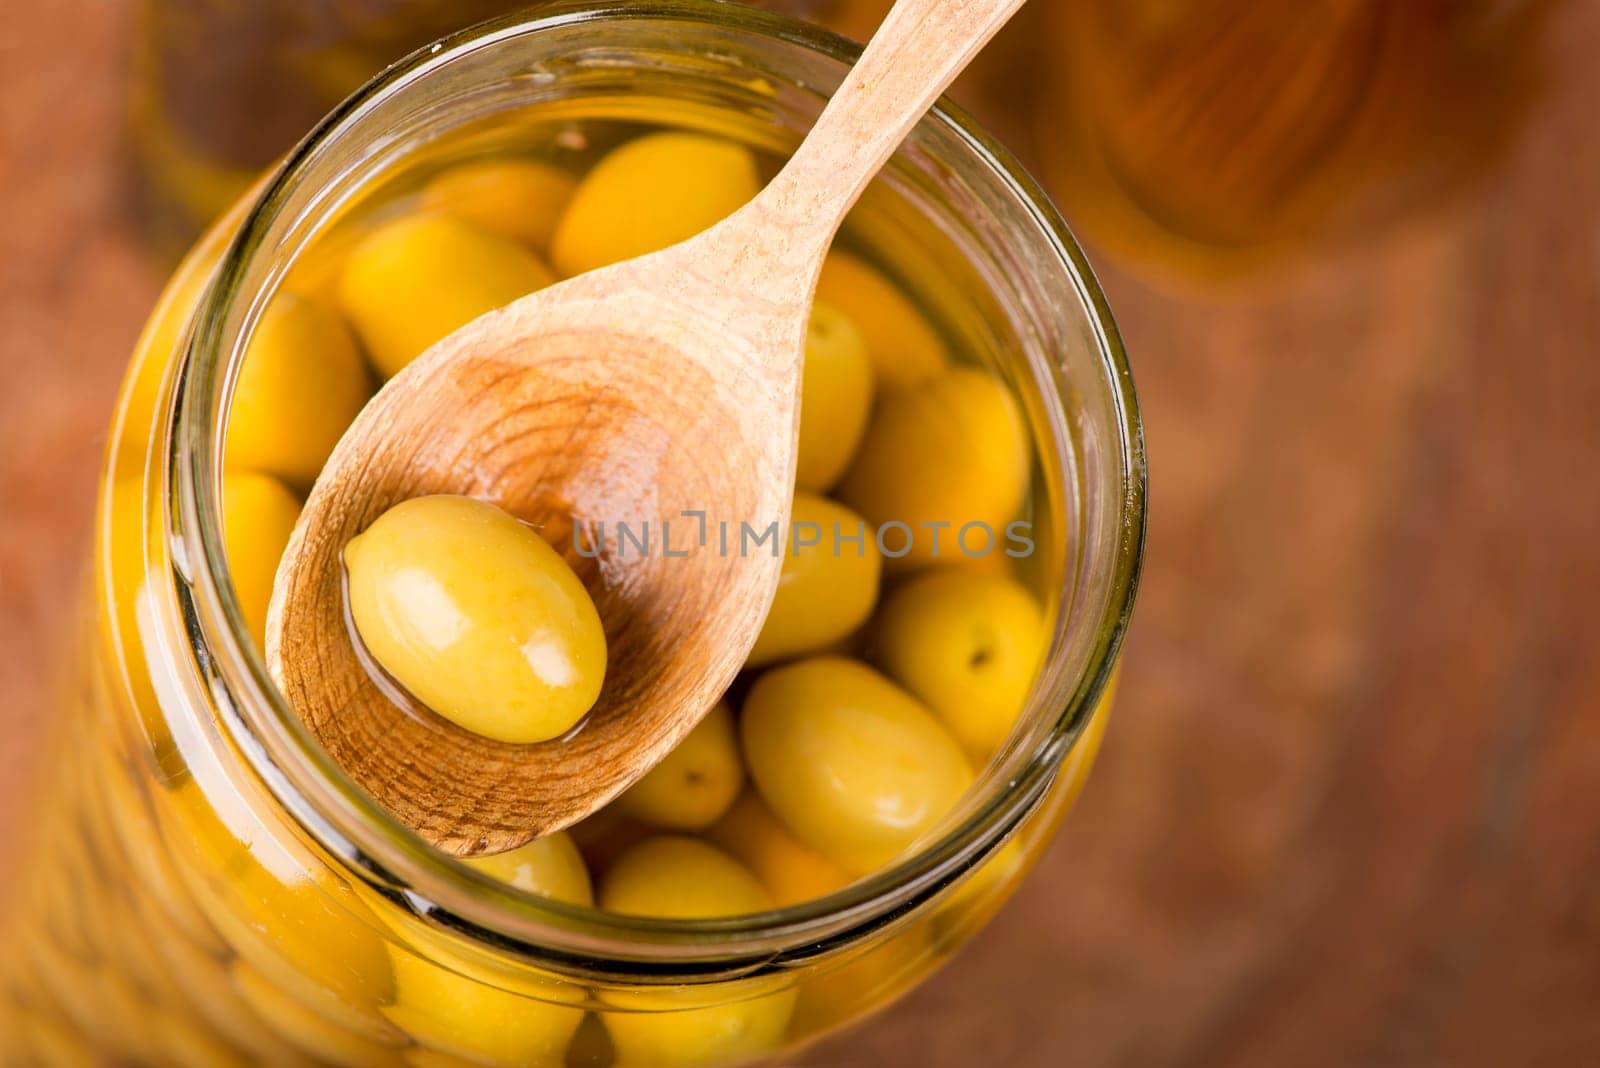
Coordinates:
x,y
757,71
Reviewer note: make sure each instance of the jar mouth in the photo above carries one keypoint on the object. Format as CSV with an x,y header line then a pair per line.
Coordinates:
x,y
348,824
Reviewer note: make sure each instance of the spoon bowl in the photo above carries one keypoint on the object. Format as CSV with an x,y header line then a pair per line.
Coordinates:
x,y
596,464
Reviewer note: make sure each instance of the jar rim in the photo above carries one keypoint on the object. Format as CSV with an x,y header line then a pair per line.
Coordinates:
x,y
351,826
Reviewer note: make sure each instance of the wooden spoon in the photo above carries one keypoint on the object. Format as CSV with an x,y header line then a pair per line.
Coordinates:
x,y
660,390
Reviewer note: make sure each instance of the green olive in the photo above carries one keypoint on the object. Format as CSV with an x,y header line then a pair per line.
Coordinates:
x,y
904,347
550,866
460,1015
459,1000
680,878
856,767
968,644
258,515
302,382
942,470
791,871
520,198
607,835
652,192
738,1022
417,279
271,910
835,398
674,877
477,617
829,582
696,782
838,992
304,1027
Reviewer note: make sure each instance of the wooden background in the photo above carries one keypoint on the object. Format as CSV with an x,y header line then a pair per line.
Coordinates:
x,y
1349,810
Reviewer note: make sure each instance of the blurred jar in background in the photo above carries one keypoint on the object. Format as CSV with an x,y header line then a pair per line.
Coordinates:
x,y
222,88
1207,137
1190,139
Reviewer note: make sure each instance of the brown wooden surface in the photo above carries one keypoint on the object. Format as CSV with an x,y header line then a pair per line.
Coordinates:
x,y
1349,810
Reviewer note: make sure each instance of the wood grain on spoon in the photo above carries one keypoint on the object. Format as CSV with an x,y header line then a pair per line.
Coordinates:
x,y
640,393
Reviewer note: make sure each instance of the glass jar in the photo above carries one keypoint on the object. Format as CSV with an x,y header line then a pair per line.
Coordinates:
x,y
207,887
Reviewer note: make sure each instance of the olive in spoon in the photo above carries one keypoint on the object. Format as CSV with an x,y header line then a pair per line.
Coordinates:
x,y
662,390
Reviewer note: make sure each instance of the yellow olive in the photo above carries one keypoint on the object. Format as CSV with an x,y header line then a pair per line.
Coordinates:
x,y
791,871
132,821
853,764
680,878
974,901
457,1015
310,941
904,348
466,1001
304,1027
714,1025
829,582
841,992
417,279
520,198
605,836
942,470
835,398
203,975
258,515
551,866
968,644
695,783
315,275
316,935
478,617
301,384
674,877
651,193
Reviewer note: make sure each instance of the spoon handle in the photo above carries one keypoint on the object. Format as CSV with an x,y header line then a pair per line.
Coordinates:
x,y
920,49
